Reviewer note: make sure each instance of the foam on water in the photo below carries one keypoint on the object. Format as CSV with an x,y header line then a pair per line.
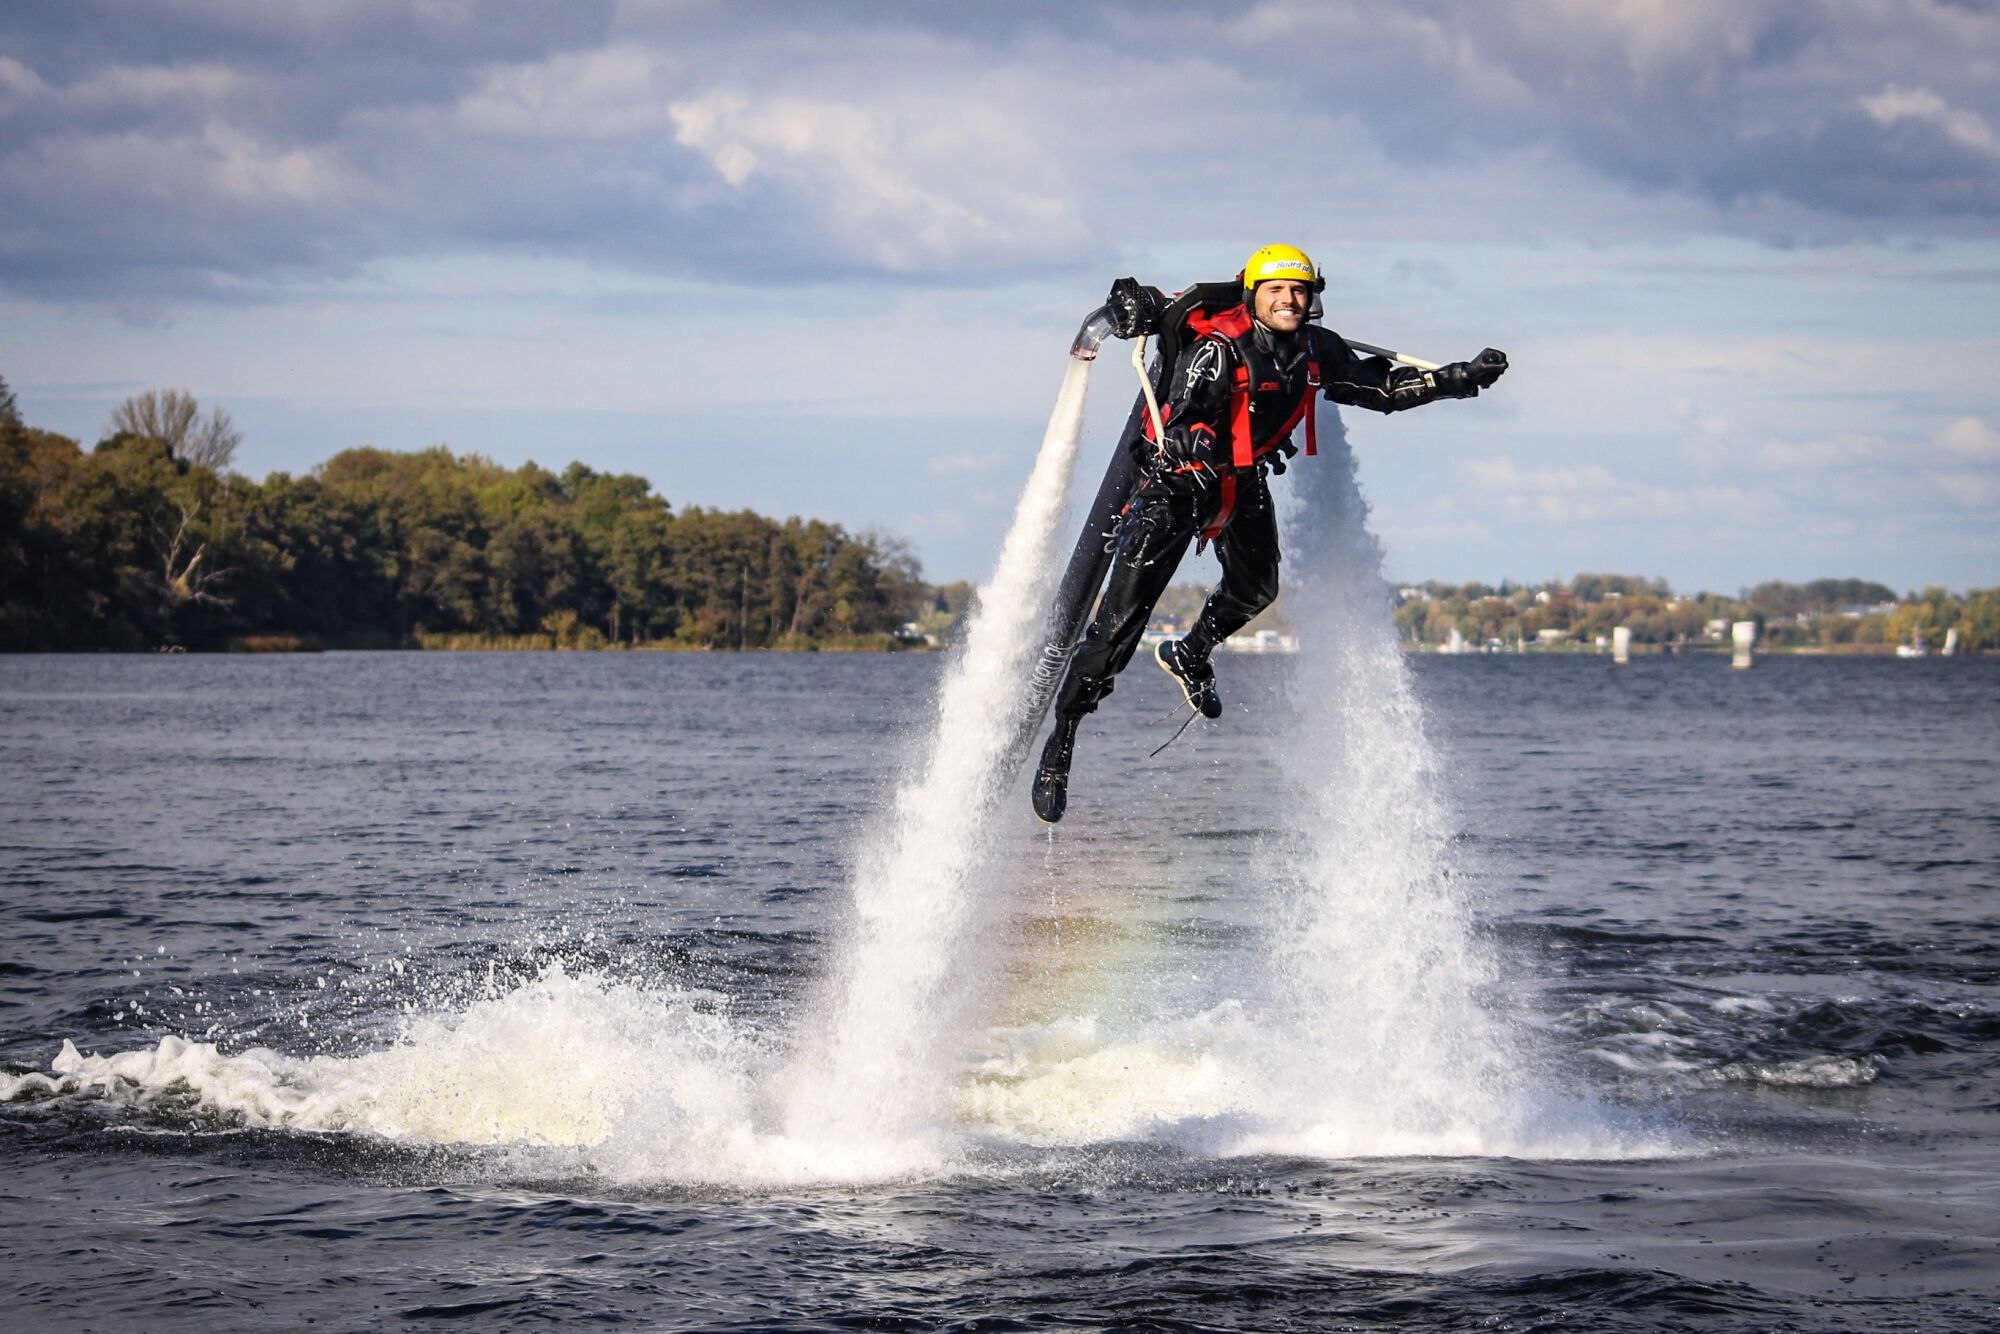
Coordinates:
x,y
648,1081
1071,1082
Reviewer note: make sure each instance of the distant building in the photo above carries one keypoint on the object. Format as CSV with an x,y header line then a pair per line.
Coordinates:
x,y
1264,641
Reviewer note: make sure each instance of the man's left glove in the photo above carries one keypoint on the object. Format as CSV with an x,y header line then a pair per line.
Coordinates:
x,y
1135,310
1464,379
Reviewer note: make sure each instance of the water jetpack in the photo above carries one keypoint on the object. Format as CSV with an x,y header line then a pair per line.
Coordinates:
x,y
1131,311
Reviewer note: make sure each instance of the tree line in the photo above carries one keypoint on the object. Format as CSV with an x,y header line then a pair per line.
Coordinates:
x,y
147,540
1825,614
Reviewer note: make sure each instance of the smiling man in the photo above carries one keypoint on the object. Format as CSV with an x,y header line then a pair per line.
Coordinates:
x,y
1237,394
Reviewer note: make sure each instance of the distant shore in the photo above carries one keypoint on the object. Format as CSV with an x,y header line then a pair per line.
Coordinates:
x,y
281,644
545,643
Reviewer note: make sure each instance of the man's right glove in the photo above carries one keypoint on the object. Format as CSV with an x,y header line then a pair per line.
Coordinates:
x,y
1464,379
1135,310
1187,457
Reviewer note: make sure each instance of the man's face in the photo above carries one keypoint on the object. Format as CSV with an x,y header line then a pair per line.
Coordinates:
x,y
1282,305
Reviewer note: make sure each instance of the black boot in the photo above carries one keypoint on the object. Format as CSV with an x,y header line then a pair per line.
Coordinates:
x,y
1191,671
1051,791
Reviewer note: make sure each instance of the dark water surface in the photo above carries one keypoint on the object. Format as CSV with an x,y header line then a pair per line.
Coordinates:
x,y
464,904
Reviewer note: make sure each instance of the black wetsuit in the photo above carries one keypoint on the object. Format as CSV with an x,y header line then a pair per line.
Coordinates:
x,y
1181,494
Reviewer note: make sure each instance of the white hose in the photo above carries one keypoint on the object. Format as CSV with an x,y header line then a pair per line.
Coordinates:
x,y
1146,388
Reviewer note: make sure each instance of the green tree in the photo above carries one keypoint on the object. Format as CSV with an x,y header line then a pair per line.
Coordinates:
x,y
1979,620
133,545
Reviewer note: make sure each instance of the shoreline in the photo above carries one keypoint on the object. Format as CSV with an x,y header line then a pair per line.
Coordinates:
x,y
280,645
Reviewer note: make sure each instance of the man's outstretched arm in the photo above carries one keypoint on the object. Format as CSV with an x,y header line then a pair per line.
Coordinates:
x,y
1381,385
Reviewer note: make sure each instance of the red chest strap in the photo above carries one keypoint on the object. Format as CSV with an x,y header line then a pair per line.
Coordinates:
x,y
1311,408
1243,449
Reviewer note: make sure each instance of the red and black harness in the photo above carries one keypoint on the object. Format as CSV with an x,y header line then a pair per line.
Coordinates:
x,y
1246,451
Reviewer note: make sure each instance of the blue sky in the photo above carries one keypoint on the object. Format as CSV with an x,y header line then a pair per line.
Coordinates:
x,y
826,258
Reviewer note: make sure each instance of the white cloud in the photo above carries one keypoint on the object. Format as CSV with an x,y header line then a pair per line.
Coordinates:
x,y
1592,493
1802,456
1967,129
1956,447
146,86
1968,490
18,85
240,166
1969,439
910,185
613,93
931,140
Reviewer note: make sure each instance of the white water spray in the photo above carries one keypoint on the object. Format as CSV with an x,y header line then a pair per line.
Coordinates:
x,y
871,1096
1377,1023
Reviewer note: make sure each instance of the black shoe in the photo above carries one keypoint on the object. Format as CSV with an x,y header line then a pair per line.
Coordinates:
x,y
1196,677
1051,791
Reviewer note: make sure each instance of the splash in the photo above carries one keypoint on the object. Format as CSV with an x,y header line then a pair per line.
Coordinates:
x,y
870,1089
1359,1027
1375,1037
638,1081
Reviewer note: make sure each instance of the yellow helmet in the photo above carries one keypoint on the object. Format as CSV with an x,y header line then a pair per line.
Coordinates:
x,y
1280,261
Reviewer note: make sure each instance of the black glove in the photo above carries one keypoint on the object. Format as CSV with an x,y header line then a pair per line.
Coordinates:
x,y
1487,367
1135,310
1186,457
1464,379
1408,389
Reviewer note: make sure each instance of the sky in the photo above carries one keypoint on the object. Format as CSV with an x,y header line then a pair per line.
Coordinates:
x,y
827,258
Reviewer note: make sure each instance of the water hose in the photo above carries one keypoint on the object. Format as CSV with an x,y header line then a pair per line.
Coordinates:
x,y
1146,388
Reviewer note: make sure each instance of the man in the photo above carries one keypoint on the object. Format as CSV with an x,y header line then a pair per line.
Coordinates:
x,y
1235,397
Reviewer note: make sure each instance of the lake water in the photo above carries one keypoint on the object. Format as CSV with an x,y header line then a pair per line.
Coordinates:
x,y
433,990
